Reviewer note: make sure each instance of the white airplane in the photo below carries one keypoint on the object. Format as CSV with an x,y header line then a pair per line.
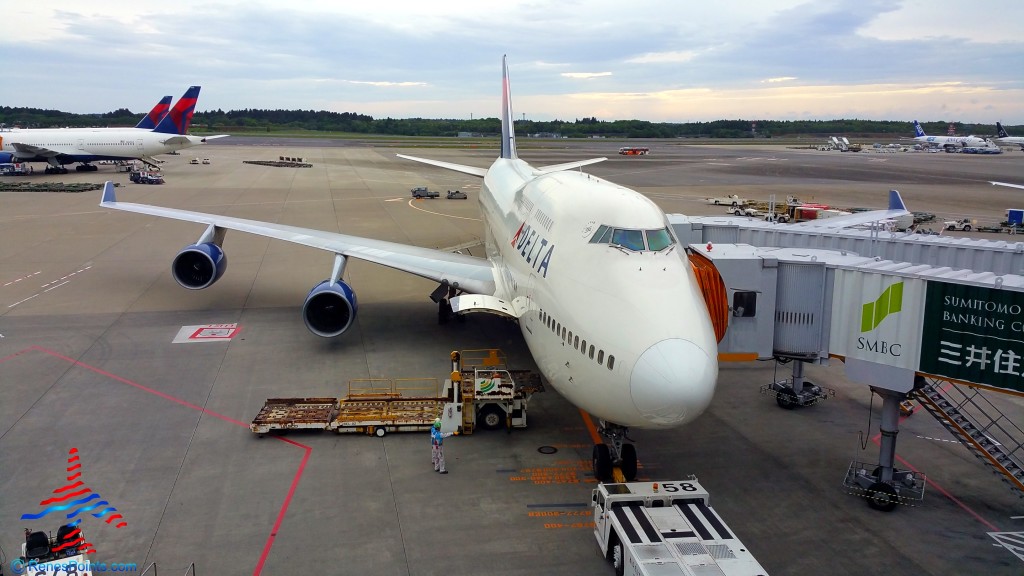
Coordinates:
x,y
60,146
1007,139
605,296
948,141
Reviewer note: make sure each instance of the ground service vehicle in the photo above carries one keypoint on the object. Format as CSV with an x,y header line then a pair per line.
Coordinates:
x,y
481,391
194,161
732,200
634,151
457,195
745,211
964,224
423,192
660,528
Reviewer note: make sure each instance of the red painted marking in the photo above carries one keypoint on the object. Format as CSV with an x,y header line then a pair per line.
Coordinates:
x,y
65,497
75,467
68,487
73,459
295,480
114,517
284,505
73,476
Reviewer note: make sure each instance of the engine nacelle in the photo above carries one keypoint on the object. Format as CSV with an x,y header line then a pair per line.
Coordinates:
x,y
330,309
7,158
198,266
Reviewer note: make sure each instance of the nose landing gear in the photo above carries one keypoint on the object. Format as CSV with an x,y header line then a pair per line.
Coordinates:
x,y
614,453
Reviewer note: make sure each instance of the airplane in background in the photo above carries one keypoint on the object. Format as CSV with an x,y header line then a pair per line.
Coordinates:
x,y
60,146
150,120
1005,138
948,141
605,296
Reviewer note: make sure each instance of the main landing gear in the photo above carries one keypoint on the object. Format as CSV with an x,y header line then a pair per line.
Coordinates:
x,y
614,452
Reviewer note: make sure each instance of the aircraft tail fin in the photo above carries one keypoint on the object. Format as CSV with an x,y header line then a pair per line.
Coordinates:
x,y
179,118
918,132
896,201
1000,131
508,132
149,121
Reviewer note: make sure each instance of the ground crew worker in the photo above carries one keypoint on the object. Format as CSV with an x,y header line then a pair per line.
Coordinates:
x,y
437,446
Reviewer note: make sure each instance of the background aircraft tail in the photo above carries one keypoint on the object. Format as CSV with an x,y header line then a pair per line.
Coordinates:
x,y
179,118
917,130
1000,131
508,131
149,121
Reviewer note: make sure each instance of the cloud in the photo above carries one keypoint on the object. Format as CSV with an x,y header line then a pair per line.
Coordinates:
x,y
585,75
778,80
386,84
663,57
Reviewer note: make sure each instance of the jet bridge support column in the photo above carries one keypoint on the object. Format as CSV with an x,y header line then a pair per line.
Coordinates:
x,y
886,486
889,428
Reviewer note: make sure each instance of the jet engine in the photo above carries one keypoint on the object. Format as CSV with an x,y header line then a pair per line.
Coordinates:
x,y
330,308
198,266
7,158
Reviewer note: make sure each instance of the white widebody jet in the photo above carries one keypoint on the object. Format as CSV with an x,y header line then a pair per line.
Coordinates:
x,y
61,146
606,298
1006,138
948,141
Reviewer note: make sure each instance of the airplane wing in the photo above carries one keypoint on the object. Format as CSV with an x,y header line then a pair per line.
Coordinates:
x,y
474,275
896,209
471,170
1006,184
29,150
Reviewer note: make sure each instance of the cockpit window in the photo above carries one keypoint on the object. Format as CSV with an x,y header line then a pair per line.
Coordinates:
x,y
656,240
629,239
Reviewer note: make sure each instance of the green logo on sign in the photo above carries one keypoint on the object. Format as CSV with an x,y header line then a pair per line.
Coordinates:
x,y
890,302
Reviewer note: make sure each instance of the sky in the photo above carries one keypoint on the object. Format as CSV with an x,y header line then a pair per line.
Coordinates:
x,y
657,60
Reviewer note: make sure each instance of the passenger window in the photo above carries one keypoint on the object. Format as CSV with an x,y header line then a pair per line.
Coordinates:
x,y
591,351
611,361
576,342
583,349
600,357
563,332
570,336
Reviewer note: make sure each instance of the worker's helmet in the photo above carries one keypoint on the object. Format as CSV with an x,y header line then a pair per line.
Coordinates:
x,y
437,422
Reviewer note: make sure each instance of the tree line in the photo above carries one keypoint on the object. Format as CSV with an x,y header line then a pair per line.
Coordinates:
x,y
269,121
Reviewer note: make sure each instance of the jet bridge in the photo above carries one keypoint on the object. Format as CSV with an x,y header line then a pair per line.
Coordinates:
x,y
896,325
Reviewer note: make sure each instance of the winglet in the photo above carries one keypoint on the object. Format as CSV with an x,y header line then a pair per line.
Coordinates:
x,y
896,201
179,118
508,130
108,194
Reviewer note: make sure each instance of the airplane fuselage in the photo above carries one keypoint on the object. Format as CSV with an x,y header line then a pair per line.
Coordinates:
x,y
88,145
622,333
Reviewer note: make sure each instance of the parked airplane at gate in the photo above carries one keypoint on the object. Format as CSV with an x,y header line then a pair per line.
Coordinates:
x,y
605,296
61,146
948,141
1007,139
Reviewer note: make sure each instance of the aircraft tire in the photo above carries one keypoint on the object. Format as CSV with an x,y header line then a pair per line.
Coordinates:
x,y
628,465
882,497
602,462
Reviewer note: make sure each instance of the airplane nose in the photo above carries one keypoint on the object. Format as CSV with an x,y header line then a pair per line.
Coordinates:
x,y
673,382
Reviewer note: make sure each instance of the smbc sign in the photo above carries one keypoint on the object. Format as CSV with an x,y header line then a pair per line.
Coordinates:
x,y
974,334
